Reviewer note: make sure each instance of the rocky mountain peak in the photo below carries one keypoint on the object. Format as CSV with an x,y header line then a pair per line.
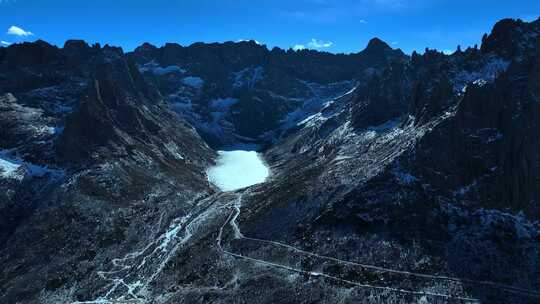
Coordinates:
x,y
75,44
249,42
511,38
379,53
31,53
146,47
108,49
377,45
79,50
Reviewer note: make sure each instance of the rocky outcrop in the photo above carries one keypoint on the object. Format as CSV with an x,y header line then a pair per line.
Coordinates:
x,y
383,98
378,54
512,38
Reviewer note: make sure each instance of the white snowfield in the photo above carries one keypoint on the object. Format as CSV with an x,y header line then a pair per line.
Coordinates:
x,y
237,169
13,167
8,169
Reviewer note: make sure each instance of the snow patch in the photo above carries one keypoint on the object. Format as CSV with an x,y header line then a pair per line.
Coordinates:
x,y
9,169
156,69
174,150
247,77
223,103
486,74
405,178
493,219
193,81
11,166
220,113
237,169
321,98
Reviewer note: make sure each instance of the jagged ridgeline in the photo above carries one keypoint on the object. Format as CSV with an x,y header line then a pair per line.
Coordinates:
x,y
394,178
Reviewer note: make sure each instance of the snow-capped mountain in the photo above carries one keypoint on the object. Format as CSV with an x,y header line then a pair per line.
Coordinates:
x,y
393,178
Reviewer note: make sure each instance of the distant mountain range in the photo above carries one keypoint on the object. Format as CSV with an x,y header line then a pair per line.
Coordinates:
x,y
394,178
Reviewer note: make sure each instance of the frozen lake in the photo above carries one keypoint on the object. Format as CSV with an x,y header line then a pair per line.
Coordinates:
x,y
237,169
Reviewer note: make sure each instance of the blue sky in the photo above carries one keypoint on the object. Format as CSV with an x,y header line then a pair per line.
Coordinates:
x,y
334,26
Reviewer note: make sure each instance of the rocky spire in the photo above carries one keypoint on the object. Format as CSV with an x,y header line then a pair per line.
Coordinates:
x,y
377,45
511,37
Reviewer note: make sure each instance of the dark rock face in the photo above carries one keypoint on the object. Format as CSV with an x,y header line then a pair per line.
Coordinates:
x,y
511,38
379,53
395,178
383,98
267,85
97,156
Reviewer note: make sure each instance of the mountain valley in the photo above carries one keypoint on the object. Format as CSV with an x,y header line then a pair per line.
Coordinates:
x,y
371,177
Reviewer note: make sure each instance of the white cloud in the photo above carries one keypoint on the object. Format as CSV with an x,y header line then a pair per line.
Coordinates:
x,y
363,21
313,44
5,43
395,43
17,31
448,52
319,44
